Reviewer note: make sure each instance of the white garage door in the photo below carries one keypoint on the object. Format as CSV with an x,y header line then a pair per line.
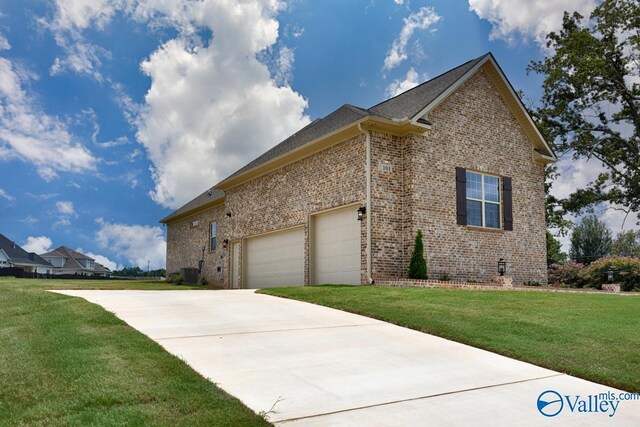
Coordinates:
x,y
275,259
337,247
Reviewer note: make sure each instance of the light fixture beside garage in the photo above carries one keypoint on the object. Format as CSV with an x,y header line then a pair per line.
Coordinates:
x,y
361,211
225,243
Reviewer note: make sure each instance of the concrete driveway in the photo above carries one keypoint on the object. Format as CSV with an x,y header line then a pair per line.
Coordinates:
x,y
315,366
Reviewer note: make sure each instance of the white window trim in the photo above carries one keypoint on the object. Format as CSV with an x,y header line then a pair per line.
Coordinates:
x,y
484,201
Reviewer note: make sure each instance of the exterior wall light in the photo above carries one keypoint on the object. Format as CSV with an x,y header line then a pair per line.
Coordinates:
x,y
610,275
225,243
361,211
229,214
502,267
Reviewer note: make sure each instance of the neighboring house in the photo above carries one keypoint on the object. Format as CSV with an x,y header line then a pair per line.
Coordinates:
x,y
67,261
341,200
12,255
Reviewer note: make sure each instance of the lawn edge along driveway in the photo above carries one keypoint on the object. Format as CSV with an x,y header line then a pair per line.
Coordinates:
x,y
65,361
594,337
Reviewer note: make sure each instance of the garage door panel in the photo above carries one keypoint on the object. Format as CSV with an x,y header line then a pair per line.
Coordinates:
x,y
275,259
337,247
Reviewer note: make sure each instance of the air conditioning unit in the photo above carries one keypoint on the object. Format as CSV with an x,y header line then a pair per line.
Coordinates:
x,y
189,275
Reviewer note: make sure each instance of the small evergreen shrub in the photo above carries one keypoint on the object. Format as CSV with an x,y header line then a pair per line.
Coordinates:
x,y
203,281
418,265
444,277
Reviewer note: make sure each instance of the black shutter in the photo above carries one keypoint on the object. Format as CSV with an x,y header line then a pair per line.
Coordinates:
x,y
461,196
507,203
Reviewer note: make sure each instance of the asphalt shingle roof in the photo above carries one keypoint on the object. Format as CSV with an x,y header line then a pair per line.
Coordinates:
x,y
19,255
401,107
409,103
209,196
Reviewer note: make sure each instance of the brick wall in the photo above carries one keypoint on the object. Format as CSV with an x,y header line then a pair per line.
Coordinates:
x,y
413,187
280,199
184,244
473,128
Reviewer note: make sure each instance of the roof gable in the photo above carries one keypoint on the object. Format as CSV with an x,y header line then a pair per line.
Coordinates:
x,y
17,255
409,104
407,109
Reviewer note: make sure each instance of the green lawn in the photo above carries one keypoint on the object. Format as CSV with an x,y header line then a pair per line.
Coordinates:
x,y
64,361
595,337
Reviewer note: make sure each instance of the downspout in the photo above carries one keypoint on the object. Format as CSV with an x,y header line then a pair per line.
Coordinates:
x,y
368,204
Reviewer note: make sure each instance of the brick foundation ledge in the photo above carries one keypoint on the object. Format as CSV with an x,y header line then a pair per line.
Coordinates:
x,y
493,286
497,283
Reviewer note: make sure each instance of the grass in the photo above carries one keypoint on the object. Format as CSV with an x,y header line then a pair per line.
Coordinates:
x,y
64,361
595,337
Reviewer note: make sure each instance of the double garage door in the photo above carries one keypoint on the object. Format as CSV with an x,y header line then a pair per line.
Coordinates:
x,y
277,259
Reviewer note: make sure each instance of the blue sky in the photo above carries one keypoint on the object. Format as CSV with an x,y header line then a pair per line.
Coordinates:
x,y
115,112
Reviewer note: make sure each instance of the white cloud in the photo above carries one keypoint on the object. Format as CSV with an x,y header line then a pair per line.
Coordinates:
x,y
212,106
131,157
526,18
39,244
121,140
65,208
42,196
4,43
6,196
574,174
284,66
29,134
71,19
578,174
398,1
138,244
210,110
423,19
101,259
81,58
411,80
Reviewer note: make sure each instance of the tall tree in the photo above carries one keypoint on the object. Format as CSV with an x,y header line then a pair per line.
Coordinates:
x,y
554,250
591,101
590,240
627,243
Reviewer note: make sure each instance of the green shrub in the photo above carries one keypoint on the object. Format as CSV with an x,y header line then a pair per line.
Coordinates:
x,y
568,274
444,277
175,279
203,281
532,283
626,272
418,265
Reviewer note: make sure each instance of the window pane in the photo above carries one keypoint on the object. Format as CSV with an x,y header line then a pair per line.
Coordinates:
x,y
474,185
214,232
492,215
491,188
474,213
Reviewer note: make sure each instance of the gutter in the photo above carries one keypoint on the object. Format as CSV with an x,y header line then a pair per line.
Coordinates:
x,y
368,175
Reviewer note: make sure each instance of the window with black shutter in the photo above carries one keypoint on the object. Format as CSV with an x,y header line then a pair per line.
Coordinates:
x,y
479,201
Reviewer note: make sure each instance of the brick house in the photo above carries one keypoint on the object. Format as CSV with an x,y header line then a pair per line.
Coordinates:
x,y
341,200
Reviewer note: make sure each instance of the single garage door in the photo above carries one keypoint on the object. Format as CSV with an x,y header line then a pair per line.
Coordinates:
x,y
337,247
275,259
